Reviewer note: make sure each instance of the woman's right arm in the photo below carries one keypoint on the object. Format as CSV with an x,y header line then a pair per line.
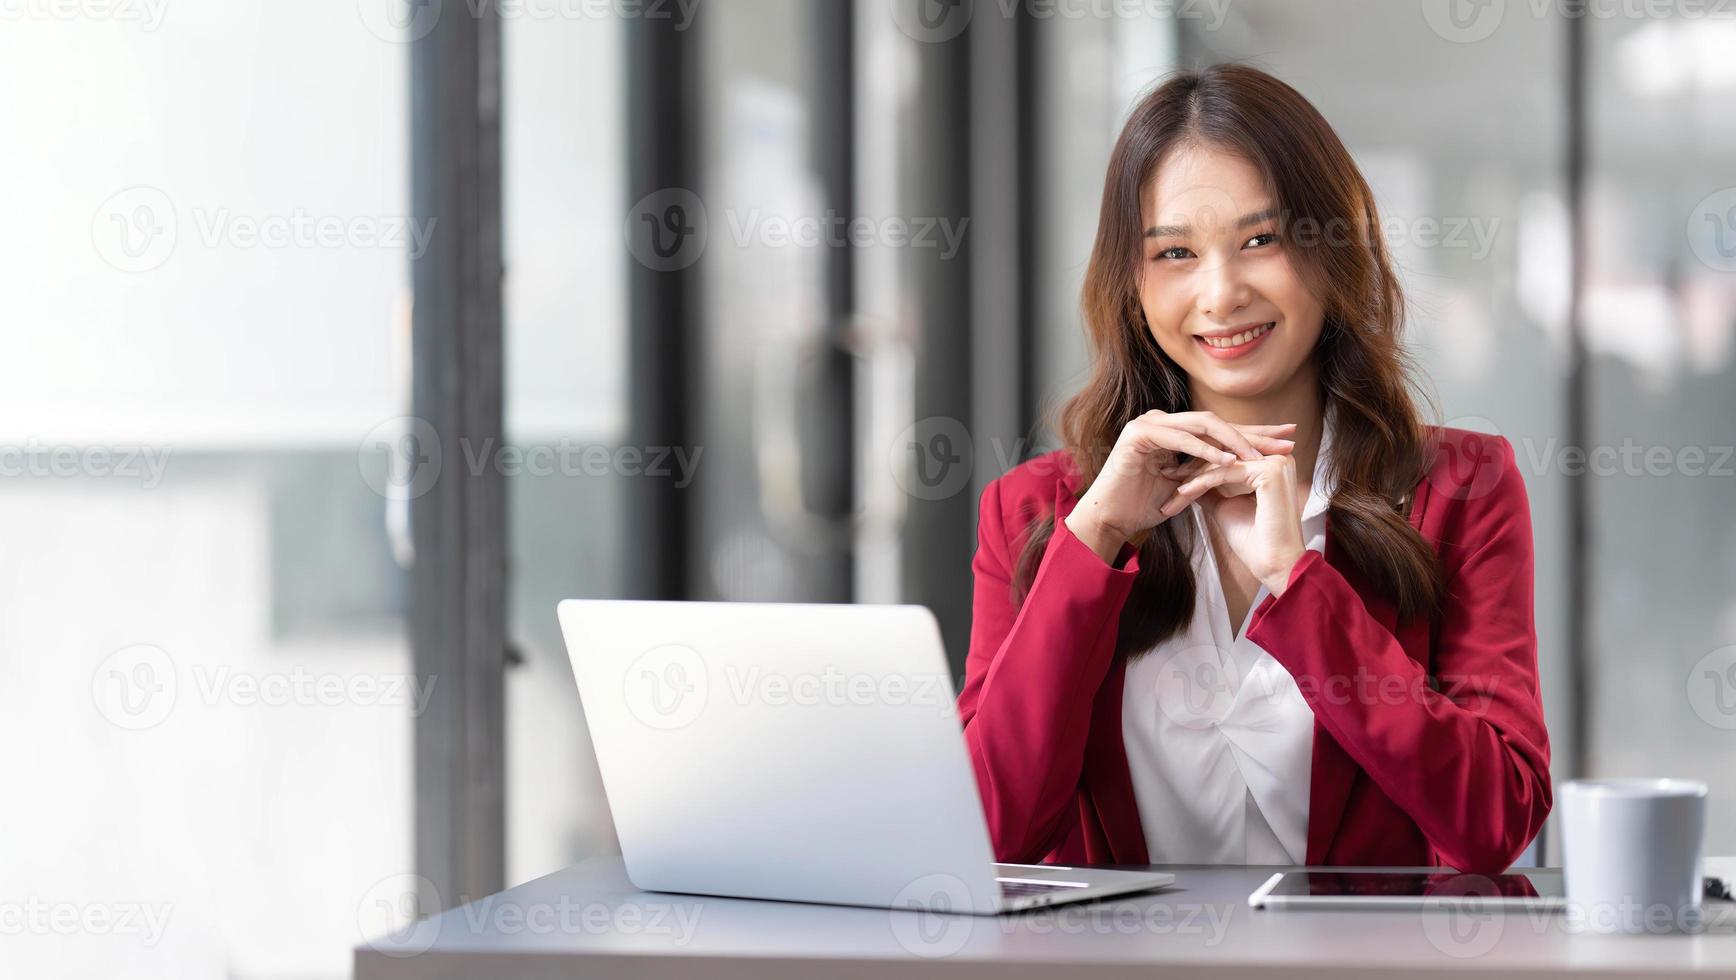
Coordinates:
x,y
1031,676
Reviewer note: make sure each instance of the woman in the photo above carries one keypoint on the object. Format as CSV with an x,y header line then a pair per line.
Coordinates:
x,y
1255,612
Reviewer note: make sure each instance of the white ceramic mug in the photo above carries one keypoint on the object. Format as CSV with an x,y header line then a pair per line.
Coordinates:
x,y
1632,853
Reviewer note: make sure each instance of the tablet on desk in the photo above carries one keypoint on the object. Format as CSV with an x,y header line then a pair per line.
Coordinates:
x,y
1409,890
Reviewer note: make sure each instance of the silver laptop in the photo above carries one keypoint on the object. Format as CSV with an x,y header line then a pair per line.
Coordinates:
x,y
803,752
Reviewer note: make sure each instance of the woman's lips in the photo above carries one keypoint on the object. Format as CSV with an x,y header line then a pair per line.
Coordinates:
x,y
1240,350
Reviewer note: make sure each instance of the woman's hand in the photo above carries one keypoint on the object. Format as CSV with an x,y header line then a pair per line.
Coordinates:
x,y
1254,504
1128,497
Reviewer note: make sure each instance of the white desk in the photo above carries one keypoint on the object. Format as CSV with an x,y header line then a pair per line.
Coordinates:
x,y
589,921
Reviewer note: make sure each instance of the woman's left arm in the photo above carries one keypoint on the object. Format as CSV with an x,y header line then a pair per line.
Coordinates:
x,y
1470,761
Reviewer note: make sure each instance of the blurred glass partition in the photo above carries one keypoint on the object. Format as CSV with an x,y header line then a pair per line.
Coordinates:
x,y
1659,320
566,462
1090,71
773,504
208,698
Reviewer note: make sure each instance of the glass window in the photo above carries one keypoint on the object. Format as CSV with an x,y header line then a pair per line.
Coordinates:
x,y
207,694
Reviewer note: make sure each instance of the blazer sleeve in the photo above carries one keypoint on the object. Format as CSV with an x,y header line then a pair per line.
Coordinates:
x,y
1031,675
1468,762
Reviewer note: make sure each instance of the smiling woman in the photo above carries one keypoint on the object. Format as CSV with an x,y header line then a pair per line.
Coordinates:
x,y
1272,692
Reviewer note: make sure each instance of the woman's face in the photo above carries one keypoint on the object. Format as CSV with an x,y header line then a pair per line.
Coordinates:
x,y
1218,290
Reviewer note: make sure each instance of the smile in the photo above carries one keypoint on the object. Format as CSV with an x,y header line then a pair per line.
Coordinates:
x,y
1236,345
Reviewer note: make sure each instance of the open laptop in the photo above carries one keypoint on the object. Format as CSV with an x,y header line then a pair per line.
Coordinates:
x,y
803,752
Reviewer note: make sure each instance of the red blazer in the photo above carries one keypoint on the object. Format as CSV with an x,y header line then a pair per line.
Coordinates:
x,y
1429,743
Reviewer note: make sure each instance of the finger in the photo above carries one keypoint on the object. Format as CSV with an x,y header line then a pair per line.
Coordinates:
x,y
1208,423
1179,502
1280,429
1214,477
1181,474
1176,439
1195,487
1271,445
1267,446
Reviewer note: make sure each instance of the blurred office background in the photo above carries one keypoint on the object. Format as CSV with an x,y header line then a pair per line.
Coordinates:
x,y
348,337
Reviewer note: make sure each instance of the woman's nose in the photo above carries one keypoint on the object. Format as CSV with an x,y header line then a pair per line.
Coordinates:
x,y
1222,289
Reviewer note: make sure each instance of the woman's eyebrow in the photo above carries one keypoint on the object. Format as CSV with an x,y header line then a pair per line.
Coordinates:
x,y
1180,231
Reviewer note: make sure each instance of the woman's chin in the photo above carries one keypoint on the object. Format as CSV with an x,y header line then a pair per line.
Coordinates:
x,y
1235,382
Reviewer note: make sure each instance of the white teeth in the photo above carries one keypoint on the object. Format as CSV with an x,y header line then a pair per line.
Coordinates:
x,y
1238,339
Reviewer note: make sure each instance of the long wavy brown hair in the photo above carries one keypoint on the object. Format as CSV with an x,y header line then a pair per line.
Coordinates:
x,y
1380,444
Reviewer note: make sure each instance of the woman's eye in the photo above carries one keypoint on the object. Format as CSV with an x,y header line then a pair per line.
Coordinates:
x,y
1265,238
1173,252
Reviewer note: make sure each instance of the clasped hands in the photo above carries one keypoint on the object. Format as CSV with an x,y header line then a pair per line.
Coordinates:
x,y
1243,475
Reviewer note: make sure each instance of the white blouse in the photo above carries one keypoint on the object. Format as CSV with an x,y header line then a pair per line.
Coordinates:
x,y
1219,739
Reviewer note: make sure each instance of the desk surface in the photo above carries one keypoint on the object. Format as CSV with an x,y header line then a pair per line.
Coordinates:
x,y
588,920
